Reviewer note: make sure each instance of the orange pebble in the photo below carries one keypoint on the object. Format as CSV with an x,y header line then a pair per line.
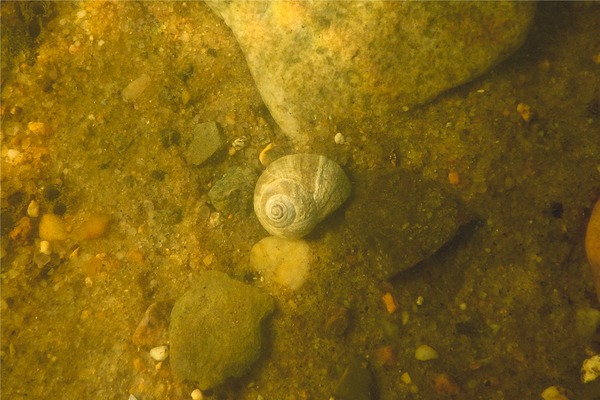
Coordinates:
x,y
592,245
390,303
443,384
21,230
385,356
453,178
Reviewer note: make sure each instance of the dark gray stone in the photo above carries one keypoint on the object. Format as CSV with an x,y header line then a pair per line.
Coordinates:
x,y
215,329
404,216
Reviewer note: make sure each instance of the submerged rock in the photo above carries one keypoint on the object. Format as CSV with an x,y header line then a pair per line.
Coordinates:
x,y
337,62
406,217
215,329
232,194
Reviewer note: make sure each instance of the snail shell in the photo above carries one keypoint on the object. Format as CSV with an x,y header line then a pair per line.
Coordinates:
x,y
297,192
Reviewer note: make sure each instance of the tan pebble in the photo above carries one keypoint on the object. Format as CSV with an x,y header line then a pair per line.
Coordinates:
x,y
159,353
33,209
592,246
283,261
53,227
197,394
94,227
45,247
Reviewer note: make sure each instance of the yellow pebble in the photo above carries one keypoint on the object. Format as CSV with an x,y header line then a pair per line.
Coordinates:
x,y
525,112
52,227
405,378
37,127
94,227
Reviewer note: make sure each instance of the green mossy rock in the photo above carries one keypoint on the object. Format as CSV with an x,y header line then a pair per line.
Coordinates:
x,y
216,329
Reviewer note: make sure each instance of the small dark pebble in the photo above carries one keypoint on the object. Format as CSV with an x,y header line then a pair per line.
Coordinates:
x,y
556,209
51,193
158,175
7,221
59,208
16,199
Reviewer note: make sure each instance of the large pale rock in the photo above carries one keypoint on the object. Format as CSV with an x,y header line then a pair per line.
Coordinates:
x,y
325,64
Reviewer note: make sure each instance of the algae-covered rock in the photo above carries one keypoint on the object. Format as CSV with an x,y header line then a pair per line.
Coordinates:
x,y
232,194
216,329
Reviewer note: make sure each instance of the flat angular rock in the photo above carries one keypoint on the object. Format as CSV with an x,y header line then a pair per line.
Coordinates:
x,y
215,329
403,216
321,64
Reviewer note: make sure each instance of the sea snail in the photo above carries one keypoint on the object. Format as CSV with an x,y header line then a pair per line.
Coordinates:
x,y
298,191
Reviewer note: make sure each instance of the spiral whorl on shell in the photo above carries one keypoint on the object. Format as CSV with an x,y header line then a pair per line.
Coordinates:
x,y
297,192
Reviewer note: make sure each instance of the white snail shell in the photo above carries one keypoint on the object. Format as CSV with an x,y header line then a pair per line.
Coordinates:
x,y
297,192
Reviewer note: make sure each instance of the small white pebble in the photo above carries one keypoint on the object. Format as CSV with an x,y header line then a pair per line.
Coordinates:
x,y
159,353
339,138
197,394
462,306
33,209
425,353
45,247
420,300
